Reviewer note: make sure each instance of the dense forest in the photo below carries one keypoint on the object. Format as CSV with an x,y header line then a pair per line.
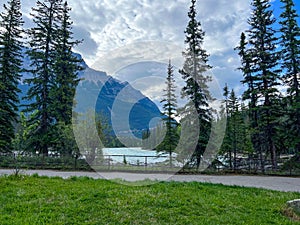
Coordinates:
x,y
262,125
45,123
265,121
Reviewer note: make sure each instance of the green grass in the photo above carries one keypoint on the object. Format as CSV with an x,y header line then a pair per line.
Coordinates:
x,y
41,200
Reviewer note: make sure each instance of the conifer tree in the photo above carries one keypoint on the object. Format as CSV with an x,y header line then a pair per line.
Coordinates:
x,y
249,78
65,70
250,93
235,124
290,42
196,88
263,66
10,69
226,149
42,52
170,104
23,131
235,136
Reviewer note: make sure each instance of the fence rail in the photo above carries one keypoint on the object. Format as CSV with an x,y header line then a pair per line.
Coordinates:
x,y
134,160
115,162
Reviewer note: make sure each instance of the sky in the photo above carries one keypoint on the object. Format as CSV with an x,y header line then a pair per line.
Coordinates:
x,y
133,39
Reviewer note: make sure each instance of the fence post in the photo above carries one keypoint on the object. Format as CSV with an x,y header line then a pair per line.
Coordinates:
x,y
109,162
146,162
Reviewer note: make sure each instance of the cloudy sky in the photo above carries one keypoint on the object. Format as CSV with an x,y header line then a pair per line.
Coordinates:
x,y
121,33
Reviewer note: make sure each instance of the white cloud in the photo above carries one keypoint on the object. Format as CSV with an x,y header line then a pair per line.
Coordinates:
x,y
106,25
115,24
151,86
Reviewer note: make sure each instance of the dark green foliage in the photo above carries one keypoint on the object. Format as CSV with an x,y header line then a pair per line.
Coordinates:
x,y
66,79
196,89
236,140
10,68
290,43
292,164
54,68
250,93
247,70
42,54
23,130
65,69
63,142
170,104
285,136
226,149
264,66
260,68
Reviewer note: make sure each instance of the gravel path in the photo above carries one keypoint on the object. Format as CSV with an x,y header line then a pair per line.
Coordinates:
x,y
273,183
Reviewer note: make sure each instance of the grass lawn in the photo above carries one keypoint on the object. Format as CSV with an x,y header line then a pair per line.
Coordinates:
x,y
41,200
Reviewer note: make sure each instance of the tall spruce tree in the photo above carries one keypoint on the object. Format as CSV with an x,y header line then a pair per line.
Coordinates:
x,y
234,125
65,70
10,68
249,78
226,149
196,88
42,52
170,111
290,43
250,93
263,66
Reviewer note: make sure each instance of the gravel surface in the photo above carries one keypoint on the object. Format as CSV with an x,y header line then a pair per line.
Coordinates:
x,y
267,182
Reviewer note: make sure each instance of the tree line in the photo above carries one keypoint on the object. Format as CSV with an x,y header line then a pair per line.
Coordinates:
x,y
263,124
270,62
47,119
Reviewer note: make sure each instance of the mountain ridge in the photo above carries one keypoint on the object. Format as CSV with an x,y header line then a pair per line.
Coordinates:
x,y
109,91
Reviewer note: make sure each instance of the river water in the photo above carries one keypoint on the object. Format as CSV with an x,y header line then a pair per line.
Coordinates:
x,y
135,156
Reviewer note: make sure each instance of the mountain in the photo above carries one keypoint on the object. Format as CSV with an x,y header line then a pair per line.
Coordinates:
x,y
116,100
